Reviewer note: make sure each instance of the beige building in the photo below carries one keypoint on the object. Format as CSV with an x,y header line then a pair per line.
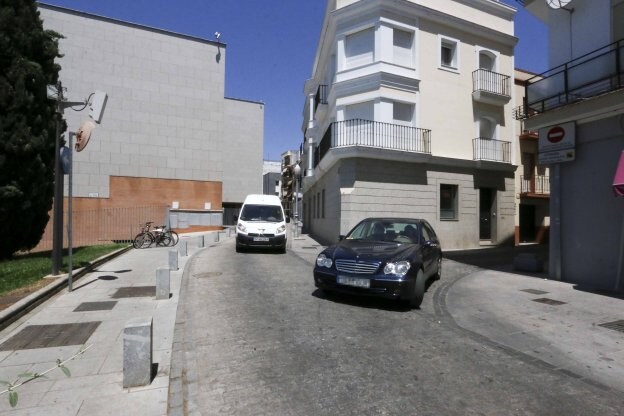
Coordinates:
x,y
408,113
532,179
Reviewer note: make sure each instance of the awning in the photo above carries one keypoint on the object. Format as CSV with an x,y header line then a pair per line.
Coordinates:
x,y
618,181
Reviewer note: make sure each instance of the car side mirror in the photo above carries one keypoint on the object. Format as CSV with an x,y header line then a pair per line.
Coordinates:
x,y
341,237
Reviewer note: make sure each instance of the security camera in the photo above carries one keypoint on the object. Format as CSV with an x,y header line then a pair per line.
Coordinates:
x,y
217,35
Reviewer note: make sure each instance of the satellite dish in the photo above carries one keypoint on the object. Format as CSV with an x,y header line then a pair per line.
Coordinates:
x,y
84,134
557,4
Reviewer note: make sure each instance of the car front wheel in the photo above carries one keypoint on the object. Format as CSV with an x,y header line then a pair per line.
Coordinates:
x,y
419,290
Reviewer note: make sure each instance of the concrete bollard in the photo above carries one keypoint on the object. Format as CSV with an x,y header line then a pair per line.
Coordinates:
x,y
137,352
183,249
173,259
163,285
200,242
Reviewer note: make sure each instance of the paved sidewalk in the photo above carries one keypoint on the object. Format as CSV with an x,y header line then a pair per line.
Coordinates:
x,y
564,332
96,383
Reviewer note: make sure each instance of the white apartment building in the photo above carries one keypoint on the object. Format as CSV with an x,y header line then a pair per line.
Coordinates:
x,y
169,136
408,113
579,106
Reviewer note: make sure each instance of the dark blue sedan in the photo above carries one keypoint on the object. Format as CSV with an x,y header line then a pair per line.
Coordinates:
x,y
385,257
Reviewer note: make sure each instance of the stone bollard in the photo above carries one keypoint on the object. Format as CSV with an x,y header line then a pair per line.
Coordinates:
x,y
163,285
137,352
200,242
183,248
173,259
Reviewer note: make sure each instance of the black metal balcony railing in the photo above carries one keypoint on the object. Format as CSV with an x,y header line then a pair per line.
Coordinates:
x,y
590,75
374,134
492,82
493,150
321,96
535,184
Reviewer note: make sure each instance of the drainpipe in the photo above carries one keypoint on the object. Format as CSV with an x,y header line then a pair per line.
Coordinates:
x,y
311,125
555,223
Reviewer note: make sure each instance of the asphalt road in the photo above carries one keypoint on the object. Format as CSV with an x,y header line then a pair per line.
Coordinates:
x,y
258,339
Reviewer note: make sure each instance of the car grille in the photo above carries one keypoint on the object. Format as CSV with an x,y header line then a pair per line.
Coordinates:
x,y
260,235
352,266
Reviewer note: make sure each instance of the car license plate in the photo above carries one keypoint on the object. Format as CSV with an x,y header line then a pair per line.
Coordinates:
x,y
353,281
261,239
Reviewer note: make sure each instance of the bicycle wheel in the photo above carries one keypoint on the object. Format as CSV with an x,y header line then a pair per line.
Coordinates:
x,y
142,240
163,239
174,237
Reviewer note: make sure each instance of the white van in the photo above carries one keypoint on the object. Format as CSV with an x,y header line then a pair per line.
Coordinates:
x,y
261,223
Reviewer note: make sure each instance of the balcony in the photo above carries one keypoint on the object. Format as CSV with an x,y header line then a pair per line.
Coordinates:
x,y
588,76
490,87
535,186
372,134
529,136
491,150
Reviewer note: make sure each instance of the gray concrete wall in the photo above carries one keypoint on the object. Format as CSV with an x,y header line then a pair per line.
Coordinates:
x,y
592,217
367,188
243,149
166,112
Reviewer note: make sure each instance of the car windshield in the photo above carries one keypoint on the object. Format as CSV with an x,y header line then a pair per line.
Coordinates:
x,y
392,231
266,213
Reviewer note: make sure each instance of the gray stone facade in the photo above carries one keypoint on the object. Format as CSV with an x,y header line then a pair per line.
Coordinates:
x,y
357,188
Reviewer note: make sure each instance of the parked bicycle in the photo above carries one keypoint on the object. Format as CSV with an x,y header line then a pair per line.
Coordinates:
x,y
161,235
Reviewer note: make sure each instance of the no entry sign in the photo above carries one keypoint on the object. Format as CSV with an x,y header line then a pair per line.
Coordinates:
x,y
560,137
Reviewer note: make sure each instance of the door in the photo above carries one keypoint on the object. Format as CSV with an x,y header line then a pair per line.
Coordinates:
x,y
527,223
486,203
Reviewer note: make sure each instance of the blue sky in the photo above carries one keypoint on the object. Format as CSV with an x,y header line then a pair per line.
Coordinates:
x,y
270,48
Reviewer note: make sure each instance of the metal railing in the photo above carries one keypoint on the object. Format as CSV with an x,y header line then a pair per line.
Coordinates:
x,y
321,96
101,226
366,133
590,75
492,82
493,150
535,184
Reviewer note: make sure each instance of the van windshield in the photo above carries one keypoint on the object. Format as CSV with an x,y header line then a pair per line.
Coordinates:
x,y
267,213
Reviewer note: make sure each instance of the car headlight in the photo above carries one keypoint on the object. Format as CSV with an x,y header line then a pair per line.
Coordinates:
x,y
241,227
281,229
323,261
399,268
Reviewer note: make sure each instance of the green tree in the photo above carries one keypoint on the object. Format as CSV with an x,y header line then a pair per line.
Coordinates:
x,y
27,124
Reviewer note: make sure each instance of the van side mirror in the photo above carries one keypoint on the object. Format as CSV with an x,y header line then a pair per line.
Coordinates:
x,y
287,220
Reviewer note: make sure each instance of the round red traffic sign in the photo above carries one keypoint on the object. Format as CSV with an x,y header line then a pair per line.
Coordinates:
x,y
556,134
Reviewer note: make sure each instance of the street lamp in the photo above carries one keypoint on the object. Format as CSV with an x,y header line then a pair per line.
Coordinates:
x,y
297,173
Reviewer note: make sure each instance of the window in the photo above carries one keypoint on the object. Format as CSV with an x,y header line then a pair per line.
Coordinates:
x,y
403,113
318,204
402,43
359,48
323,204
448,202
449,53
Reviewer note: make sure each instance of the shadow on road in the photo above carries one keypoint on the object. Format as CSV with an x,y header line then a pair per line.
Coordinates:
x,y
500,258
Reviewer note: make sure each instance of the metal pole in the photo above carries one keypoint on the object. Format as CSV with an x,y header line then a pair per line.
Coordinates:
x,y
57,230
69,214
555,225
296,205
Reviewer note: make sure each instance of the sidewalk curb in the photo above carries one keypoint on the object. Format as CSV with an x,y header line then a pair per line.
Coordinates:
x,y
30,302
